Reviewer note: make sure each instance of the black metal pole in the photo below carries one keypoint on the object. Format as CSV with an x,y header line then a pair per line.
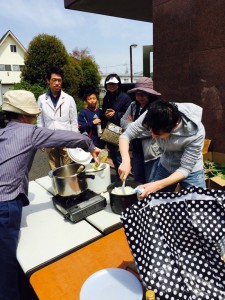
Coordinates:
x,y
131,66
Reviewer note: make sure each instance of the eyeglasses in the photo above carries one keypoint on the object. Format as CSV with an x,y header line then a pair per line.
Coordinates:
x,y
56,80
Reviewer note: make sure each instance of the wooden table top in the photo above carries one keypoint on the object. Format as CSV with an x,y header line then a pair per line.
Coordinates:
x,y
64,278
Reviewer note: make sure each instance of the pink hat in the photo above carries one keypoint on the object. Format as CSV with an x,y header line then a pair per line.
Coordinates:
x,y
144,84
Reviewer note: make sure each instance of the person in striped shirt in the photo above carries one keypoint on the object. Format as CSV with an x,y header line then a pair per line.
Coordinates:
x,y
19,140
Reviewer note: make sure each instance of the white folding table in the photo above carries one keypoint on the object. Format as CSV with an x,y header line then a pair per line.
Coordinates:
x,y
45,235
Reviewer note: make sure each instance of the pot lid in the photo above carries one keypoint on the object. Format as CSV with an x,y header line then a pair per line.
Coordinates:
x,y
79,155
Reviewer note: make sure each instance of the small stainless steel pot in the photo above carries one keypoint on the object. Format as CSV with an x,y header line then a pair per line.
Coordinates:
x,y
70,179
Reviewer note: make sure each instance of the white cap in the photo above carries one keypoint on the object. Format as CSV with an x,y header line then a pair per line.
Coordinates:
x,y
112,80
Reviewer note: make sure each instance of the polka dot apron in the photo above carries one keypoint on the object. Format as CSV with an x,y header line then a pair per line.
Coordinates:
x,y
178,241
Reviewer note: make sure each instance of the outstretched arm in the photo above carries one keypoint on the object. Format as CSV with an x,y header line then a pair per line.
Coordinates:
x,y
125,166
155,186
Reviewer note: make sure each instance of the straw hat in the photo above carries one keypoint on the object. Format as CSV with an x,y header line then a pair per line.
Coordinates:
x,y
21,102
144,84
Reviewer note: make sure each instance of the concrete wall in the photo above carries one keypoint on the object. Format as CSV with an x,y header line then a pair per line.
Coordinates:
x,y
189,58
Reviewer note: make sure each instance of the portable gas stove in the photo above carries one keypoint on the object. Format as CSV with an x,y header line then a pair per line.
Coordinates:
x,y
78,207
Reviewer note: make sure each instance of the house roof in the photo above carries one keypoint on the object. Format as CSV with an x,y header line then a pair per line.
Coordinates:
x,y
4,37
140,10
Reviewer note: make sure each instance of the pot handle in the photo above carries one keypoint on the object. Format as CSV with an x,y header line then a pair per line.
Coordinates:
x,y
83,175
50,174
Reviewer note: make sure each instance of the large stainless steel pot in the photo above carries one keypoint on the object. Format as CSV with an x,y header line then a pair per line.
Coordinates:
x,y
69,179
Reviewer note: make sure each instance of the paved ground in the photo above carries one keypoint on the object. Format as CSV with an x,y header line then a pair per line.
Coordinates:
x,y
40,166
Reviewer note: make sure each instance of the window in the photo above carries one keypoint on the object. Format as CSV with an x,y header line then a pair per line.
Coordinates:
x,y
13,48
8,68
16,68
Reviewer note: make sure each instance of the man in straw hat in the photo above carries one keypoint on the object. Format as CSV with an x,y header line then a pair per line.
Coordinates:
x,y
19,140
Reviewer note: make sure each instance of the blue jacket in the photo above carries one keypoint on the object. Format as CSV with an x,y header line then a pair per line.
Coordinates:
x,y
119,102
85,123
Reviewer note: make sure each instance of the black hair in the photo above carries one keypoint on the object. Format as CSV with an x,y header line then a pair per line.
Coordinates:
x,y
151,98
162,116
54,70
6,116
117,77
88,93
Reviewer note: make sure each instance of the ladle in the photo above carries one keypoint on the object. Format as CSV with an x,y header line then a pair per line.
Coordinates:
x,y
123,187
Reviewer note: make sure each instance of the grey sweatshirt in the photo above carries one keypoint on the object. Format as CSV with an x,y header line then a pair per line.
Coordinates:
x,y
150,147
182,150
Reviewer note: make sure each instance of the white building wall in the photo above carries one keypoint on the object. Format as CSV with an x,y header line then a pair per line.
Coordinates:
x,y
11,58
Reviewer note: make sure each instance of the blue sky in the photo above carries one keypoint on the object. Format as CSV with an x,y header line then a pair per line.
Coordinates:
x,y
107,38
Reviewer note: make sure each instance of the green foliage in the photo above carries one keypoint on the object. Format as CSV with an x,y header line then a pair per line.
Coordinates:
x,y
36,89
72,77
80,70
91,76
80,104
43,51
212,169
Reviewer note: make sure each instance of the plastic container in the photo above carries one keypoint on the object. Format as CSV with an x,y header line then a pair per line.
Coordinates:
x,y
102,157
102,178
150,295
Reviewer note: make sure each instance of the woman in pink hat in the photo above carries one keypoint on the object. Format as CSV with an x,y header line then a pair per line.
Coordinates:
x,y
144,149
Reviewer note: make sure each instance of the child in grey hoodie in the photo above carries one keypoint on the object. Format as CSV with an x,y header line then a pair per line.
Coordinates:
x,y
180,135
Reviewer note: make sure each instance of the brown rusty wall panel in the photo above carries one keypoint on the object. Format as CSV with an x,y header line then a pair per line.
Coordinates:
x,y
189,58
